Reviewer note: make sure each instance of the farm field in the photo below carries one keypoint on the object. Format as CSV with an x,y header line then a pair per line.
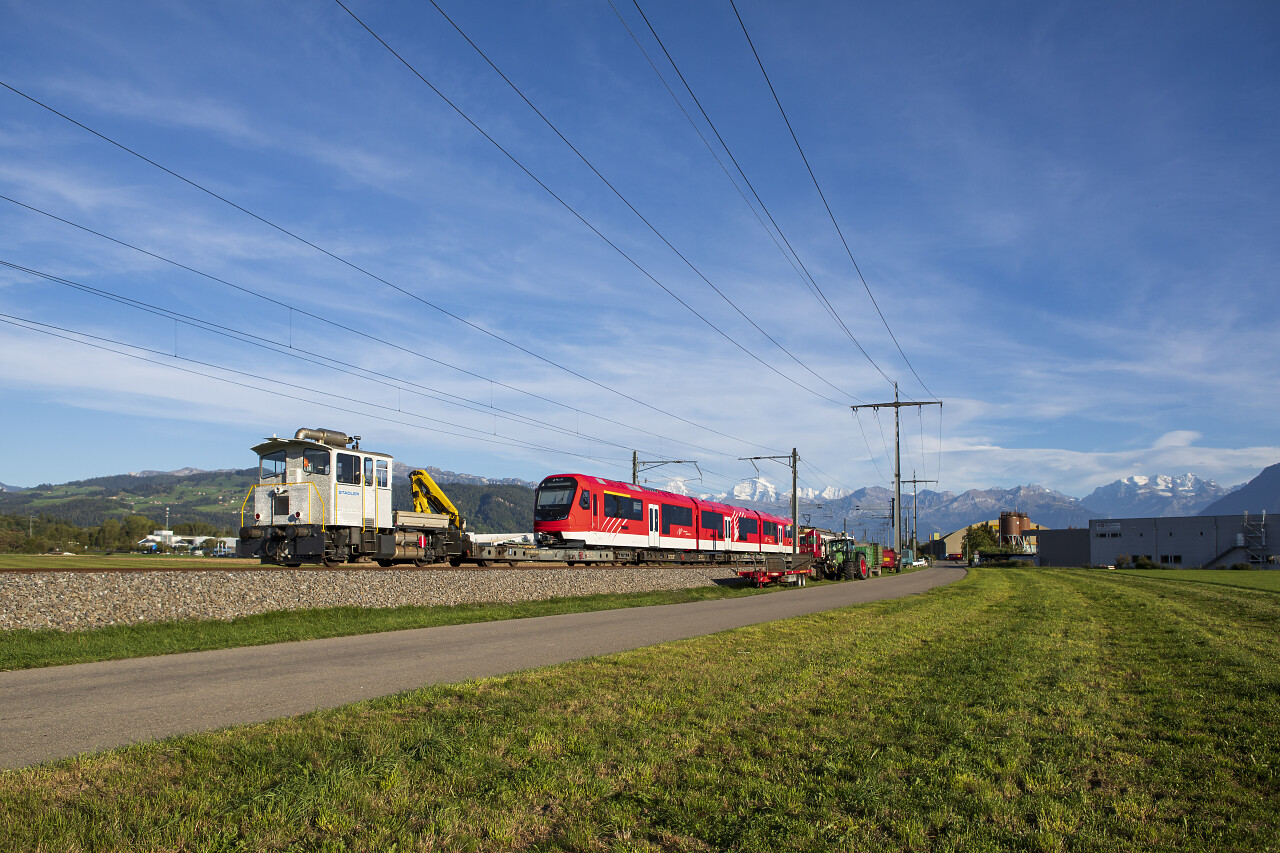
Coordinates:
x,y
1019,709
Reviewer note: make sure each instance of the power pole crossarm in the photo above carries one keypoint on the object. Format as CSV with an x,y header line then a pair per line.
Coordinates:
x,y
793,459
897,405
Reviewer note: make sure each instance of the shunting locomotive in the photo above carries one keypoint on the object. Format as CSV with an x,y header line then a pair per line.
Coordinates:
x,y
321,499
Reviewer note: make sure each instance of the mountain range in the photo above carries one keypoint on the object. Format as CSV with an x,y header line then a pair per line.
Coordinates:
x,y
1138,496
215,496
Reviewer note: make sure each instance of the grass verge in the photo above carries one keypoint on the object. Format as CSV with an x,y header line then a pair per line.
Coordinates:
x,y
1015,710
1252,579
28,649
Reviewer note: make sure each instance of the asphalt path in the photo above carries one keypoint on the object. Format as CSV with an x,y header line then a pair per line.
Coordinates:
x,y
55,712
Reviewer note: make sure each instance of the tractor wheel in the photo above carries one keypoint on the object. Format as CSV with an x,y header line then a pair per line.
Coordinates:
x,y
859,567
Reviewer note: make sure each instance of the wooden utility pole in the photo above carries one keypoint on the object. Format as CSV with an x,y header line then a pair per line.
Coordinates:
x,y
897,405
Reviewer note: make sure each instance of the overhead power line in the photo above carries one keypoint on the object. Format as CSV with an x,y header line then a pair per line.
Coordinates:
x,y
601,385
823,196
573,212
802,270
356,331
624,199
277,389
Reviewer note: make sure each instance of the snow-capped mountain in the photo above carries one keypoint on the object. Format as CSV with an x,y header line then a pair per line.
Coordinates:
x,y
757,490
1154,496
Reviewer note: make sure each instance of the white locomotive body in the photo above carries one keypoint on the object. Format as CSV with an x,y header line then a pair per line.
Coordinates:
x,y
321,499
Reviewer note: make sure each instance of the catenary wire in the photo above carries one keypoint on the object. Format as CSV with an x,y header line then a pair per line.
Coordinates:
x,y
344,327
317,359
408,293
807,278
67,334
627,202
573,212
825,204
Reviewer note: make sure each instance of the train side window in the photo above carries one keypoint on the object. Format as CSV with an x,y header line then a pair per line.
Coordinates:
x,y
680,516
315,461
712,523
585,500
384,480
623,506
771,529
746,526
348,469
368,470
272,467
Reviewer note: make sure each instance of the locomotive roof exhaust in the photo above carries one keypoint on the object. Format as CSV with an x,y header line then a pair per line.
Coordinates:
x,y
331,437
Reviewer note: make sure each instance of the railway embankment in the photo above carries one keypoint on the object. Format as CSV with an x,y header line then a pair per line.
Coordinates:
x,y
72,601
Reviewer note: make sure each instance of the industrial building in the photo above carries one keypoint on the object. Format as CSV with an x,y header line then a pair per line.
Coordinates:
x,y
1016,533
1204,541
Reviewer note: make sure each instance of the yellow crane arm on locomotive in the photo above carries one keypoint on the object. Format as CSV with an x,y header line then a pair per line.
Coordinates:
x,y
429,497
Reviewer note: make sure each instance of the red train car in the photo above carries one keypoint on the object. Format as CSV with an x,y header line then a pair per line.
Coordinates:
x,y
581,511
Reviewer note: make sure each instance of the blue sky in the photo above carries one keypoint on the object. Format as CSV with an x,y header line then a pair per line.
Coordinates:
x,y
1067,214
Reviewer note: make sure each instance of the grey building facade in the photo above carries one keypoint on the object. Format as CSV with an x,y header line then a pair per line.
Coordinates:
x,y
1208,541
1064,548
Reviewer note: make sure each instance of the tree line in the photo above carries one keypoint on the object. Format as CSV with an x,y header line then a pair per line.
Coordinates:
x,y
37,534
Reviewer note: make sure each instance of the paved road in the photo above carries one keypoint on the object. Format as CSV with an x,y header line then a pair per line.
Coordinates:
x,y
61,711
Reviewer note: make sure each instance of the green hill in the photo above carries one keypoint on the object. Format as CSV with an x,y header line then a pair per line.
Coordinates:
x,y
215,497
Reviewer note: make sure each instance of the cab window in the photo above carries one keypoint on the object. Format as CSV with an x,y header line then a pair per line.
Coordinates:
x,y
348,469
384,480
315,462
272,467
368,470
554,499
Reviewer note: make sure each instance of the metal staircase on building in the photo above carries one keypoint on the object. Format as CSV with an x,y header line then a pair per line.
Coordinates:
x,y
1254,531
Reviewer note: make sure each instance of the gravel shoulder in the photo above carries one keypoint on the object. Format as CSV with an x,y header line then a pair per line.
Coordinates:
x,y
80,600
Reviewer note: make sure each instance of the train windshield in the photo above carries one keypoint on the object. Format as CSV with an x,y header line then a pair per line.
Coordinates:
x,y
272,467
554,499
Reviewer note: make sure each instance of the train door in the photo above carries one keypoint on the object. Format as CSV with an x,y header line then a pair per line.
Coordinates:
x,y
654,540
382,483
348,501
369,495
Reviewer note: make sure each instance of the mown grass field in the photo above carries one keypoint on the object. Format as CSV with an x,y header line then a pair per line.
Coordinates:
x,y
1014,710
1253,579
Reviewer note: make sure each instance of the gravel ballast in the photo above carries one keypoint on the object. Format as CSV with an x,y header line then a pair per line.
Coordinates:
x,y
72,601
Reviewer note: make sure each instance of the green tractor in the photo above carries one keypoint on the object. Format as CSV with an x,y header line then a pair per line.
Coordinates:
x,y
850,560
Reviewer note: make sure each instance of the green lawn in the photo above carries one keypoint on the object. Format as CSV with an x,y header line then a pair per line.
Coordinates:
x,y
1015,710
